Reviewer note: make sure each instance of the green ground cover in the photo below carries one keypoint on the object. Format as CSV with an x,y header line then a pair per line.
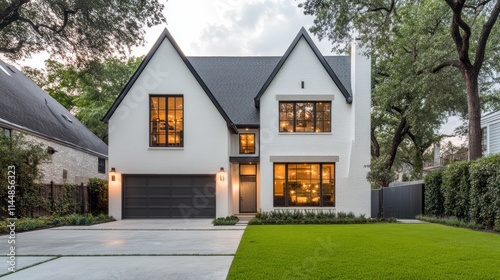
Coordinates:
x,y
372,251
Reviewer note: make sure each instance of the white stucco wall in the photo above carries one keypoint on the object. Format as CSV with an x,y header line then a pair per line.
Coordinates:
x,y
346,141
206,139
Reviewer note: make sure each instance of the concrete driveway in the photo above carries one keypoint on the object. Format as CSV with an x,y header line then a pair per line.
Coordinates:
x,y
127,249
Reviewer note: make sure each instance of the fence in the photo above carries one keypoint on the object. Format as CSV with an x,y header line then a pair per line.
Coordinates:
x,y
402,200
74,197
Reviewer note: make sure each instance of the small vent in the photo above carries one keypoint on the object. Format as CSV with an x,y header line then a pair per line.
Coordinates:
x,y
5,71
66,118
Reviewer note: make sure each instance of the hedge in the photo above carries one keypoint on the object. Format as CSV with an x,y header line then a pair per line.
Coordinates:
x,y
456,190
485,191
469,191
434,200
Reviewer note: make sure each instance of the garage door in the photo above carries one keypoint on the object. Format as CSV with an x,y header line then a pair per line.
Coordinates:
x,y
168,196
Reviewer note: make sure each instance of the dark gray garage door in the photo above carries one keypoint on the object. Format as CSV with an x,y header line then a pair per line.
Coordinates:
x,y
168,196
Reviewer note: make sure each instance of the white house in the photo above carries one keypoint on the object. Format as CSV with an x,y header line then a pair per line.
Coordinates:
x,y
76,154
217,136
490,125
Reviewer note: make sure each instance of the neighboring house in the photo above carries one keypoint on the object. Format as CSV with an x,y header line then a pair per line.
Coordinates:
x,y
216,136
76,153
446,155
490,125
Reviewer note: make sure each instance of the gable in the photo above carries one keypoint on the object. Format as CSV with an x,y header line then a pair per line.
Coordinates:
x,y
166,37
302,36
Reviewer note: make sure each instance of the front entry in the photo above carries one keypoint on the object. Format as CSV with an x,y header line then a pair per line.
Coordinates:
x,y
248,188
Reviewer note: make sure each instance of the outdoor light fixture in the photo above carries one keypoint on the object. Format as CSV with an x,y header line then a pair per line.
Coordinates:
x,y
112,173
221,174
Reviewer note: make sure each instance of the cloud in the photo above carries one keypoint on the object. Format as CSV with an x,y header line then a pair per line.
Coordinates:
x,y
264,27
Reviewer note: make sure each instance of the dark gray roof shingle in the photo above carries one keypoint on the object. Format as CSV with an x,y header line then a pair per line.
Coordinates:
x,y
236,81
24,104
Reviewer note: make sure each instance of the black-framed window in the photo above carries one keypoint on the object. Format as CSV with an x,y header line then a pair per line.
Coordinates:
x,y
5,131
305,116
304,184
247,143
166,121
101,165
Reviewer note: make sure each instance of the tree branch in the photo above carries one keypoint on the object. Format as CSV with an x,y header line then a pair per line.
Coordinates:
x,y
478,5
483,38
15,49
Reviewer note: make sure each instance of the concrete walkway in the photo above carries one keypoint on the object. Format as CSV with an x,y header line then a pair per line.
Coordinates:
x,y
128,249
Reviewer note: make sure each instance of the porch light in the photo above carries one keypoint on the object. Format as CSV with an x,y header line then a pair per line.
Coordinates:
x,y
221,174
112,173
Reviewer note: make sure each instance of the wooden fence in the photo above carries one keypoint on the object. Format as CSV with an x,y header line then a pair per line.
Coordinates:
x,y
77,198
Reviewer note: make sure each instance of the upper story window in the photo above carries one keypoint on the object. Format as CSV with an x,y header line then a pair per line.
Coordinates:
x,y
166,121
303,116
247,143
101,165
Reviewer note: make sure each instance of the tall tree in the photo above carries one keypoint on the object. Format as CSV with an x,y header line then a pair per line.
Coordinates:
x,y
376,23
75,30
86,91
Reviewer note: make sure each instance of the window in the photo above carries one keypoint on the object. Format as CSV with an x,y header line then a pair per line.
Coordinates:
x,y
304,184
247,143
305,116
166,121
5,131
101,165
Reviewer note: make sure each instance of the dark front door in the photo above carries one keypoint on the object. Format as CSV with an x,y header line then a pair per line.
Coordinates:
x,y
248,194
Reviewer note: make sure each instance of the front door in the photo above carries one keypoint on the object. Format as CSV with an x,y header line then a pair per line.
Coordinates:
x,y
248,188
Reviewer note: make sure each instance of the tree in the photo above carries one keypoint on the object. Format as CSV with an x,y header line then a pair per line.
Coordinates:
x,y
376,23
87,91
75,30
21,159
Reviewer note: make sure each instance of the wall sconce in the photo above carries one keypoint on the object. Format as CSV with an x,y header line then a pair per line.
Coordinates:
x,y
221,174
112,173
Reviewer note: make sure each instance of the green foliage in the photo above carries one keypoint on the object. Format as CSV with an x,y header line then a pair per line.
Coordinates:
x,y
379,175
98,196
75,30
227,221
312,217
485,191
456,190
450,221
24,157
88,90
27,224
376,251
433,196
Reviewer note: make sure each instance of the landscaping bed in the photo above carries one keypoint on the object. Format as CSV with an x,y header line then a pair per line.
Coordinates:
x,y
27,224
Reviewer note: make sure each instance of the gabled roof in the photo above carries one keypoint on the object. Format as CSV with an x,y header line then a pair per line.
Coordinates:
x,y
303,34
144,63
26,107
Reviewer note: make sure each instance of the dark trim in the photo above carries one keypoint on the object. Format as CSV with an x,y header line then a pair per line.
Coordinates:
x,y
166,35
166,96
250,126
244,159
303,33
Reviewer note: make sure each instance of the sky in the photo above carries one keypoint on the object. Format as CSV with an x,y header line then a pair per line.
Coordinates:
x,y
232,28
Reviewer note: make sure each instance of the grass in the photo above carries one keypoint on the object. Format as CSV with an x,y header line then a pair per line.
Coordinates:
x,y
374,251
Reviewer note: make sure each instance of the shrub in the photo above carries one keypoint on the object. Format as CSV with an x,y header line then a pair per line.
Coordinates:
x,y
485,191
98,196
456,190
434,200
26,224
281,217
227,221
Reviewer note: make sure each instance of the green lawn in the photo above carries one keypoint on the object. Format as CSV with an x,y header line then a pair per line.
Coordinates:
x,y
374,251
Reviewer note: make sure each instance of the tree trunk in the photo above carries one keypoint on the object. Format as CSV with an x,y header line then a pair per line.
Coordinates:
x,y
472,89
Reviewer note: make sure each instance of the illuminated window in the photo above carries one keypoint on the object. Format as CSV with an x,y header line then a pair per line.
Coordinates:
x,y
247,143
166,121
304,184
305,116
